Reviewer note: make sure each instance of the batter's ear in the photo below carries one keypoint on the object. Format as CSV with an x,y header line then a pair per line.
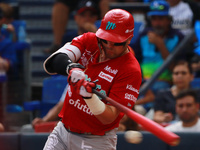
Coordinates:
x,y
129,40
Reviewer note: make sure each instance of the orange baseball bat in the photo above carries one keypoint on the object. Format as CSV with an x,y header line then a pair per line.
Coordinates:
x,y
149,125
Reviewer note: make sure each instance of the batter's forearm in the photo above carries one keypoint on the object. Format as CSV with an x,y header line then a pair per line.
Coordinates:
x,y
52,115
106,114
109,115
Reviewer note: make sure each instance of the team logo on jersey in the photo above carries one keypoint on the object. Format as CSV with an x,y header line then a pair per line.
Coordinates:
x,y
105,76
130,97
110,25
98,87
78,105
69,91
114,71
130,87
84,58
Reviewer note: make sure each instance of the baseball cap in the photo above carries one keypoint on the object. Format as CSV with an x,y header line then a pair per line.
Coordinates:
x,y
159,8
87,5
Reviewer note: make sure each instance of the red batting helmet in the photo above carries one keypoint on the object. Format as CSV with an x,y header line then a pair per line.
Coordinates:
x,y
116,26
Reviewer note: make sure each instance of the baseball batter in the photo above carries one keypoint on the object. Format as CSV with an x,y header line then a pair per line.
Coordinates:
x,y
103,61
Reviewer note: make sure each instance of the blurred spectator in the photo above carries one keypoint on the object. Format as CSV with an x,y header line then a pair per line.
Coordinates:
x,y
155,43
85,18
1,127
182,16
144,102
8,30
164,105
195,6
60,16
7,50
12,45
187,108
15,6
195,62
7,12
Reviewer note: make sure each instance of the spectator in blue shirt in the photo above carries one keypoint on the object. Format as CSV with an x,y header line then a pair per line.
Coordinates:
x,y
155,43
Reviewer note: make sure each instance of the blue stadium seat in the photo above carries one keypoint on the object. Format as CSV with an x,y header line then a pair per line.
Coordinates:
x,y
52,90
13,108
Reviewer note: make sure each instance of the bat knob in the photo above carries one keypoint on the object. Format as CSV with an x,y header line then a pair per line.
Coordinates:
x,y
175,142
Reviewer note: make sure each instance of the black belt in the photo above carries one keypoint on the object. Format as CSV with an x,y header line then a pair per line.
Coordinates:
x,y
68,129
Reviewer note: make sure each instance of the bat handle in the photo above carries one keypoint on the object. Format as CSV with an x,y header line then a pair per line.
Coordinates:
x,y
99,94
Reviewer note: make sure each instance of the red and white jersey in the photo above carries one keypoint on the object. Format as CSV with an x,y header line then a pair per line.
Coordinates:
x,y
118,78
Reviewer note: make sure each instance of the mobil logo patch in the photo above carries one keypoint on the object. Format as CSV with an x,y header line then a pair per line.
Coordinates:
x,y
105,76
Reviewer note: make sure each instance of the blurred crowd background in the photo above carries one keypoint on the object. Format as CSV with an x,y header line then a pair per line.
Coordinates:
x,y
31,30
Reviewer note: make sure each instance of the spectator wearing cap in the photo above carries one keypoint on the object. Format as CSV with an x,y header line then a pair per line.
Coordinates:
x,y
60,16
85,18
155,43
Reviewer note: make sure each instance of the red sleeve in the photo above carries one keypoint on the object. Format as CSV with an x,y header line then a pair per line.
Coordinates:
x,y
85,41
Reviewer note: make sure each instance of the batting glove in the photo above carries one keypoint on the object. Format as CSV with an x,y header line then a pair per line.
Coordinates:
x,y
75,73
73,65
86,89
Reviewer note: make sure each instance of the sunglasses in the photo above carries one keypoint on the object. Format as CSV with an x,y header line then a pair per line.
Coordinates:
x,y
115,44
180,72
